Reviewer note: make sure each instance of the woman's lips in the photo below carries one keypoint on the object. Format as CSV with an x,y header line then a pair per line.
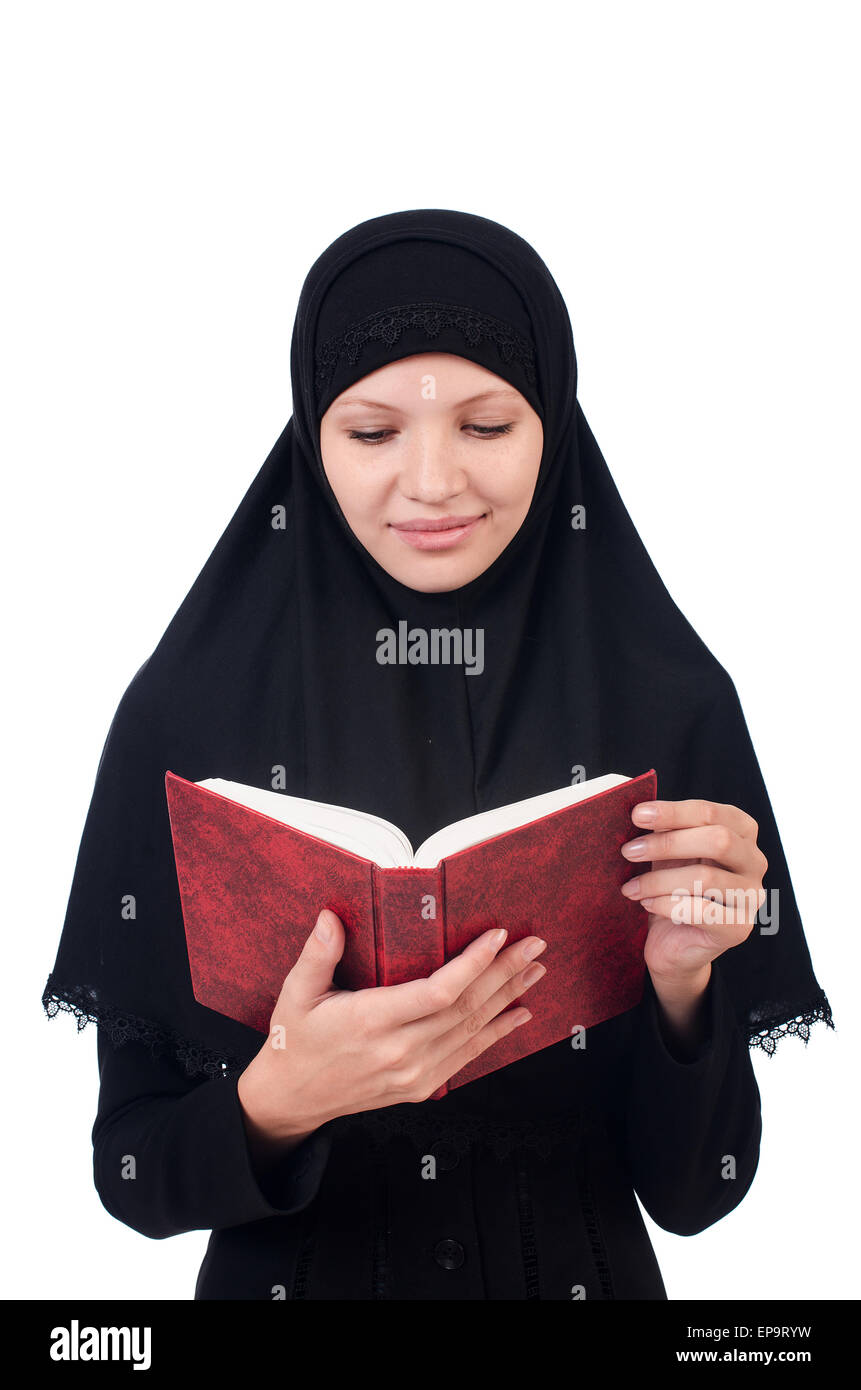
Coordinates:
x,y
440,534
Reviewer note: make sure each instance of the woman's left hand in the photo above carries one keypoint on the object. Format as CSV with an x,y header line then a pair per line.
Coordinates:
x,y
705,853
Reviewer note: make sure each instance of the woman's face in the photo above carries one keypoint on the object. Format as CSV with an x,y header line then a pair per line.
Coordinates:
x,y
433,461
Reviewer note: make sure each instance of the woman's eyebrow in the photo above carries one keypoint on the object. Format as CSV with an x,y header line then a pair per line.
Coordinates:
x,y
387,405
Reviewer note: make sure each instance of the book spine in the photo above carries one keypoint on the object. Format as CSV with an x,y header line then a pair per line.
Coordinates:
x,y
379,936
409,926
444,1089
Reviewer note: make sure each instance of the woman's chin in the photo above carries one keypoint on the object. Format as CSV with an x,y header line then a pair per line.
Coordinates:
x,y
434,571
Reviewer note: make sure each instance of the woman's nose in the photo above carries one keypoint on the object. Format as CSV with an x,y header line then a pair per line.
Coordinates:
x,y
431,472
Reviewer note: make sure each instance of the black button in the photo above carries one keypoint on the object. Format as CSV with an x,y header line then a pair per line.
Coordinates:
x,y
449,1254
446,1155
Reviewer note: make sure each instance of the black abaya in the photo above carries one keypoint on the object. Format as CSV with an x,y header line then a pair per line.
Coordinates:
x,y
349,1215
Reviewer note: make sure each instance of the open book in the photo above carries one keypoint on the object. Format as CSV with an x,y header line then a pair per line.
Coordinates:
x,y
255,866
379,840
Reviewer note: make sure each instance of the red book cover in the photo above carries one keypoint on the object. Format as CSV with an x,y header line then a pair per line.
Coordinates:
x,y
251,889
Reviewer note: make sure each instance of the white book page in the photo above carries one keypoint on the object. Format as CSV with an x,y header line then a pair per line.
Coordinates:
x,y
357,831
473,830
384,844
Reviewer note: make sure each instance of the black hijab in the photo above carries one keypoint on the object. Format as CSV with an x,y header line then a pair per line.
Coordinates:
x,y
270,662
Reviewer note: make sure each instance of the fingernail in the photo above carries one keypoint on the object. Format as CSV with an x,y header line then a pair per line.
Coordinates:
x,y
533,974
631,889
634,849
323,931
525,1019
499,936
533,949
647,811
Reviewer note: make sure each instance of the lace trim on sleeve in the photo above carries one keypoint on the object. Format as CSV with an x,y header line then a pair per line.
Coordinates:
x,y
389,324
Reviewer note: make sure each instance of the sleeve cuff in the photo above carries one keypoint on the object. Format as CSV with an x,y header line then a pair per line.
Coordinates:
x,y
719,1019
683,1115
233,1192
291,1183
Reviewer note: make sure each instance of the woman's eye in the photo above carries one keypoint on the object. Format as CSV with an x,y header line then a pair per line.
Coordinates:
x,y
488,431
377,436
369,437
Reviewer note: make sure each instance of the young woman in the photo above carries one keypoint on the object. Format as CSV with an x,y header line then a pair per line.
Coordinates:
x,y
438,470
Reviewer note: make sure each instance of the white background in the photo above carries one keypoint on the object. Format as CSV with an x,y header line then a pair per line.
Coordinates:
x,y
689,174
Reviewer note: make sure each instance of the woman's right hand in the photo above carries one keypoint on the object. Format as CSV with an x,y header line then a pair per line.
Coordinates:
x,y
335,1052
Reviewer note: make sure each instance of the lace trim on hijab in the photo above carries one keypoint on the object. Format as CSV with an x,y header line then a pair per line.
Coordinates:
x,y
543,1136
766,1033
456,1132
122,1027
389,324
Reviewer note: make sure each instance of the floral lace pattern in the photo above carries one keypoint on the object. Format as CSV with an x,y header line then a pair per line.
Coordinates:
x,y
122,1027
768,1035
456,1132
389,324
